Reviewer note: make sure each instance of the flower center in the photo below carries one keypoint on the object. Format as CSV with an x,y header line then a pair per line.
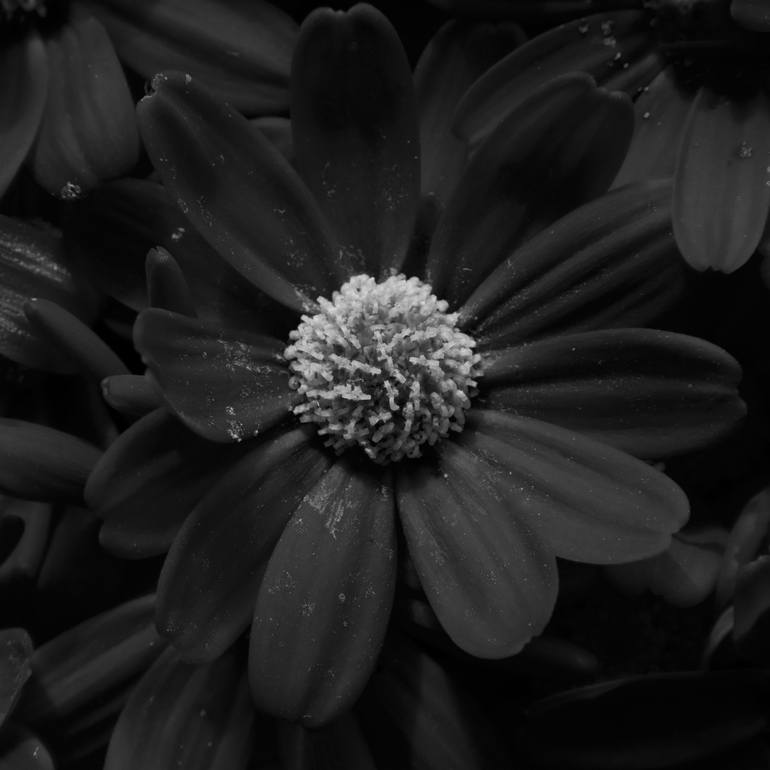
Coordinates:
x,y
383,366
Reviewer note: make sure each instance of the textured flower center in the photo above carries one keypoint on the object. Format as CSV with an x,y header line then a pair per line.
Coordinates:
x,y
384,367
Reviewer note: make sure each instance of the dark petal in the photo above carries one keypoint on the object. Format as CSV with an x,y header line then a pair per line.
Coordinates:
x,y
88,132
32,265
578,132
67,333
600,45
356,141
239,192
240,50
324,602
660,720
647,392
22,750
278,131
25,529
126,219
223,387
211,576
487,575
752,610
23,83
722,182
15,655
131,394
612,262
149,480
683,575
40,463
588,501
86,662
451,62
191,717
661,111
751,14
166,284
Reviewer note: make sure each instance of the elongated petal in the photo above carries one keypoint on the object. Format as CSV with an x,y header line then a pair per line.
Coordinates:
x,y
488,576
661,720
241,384
40,463
722,182
650,393
131,394
23,87
324,602
211,576
661,111
149,480
178,715
32,264
15,669
88,132
166,284
600,45
612,262
577,131
588,501
86,662
239,49
356,141
452,60
239,192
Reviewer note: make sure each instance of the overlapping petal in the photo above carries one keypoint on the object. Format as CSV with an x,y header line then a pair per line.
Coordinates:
x,y
488,576
149,480
580,133
211,576
355,133
611,262
88,131
15,654
722,181
647,392
241,384
451,62
324,602
240,193
240,49
586,500
23,88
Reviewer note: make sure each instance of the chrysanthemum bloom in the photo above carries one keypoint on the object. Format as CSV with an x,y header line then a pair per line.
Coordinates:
x,y
698,71
433,392
65,102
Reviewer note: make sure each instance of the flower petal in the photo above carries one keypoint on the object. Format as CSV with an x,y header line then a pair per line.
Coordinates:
x,y
722,182
487,575
149,480
131,394
15,670
87,661
32,264
88,132
178,715
356,141
578,132
241,384
40,463
21,750
452,60
25,530
211,576
603,46
647,392
240,50
239,192
661,111
166,284
324,602
752,610
588,501
612,262
23,86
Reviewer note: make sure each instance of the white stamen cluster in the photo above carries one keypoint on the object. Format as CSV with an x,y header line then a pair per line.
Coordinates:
x,y
383,366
